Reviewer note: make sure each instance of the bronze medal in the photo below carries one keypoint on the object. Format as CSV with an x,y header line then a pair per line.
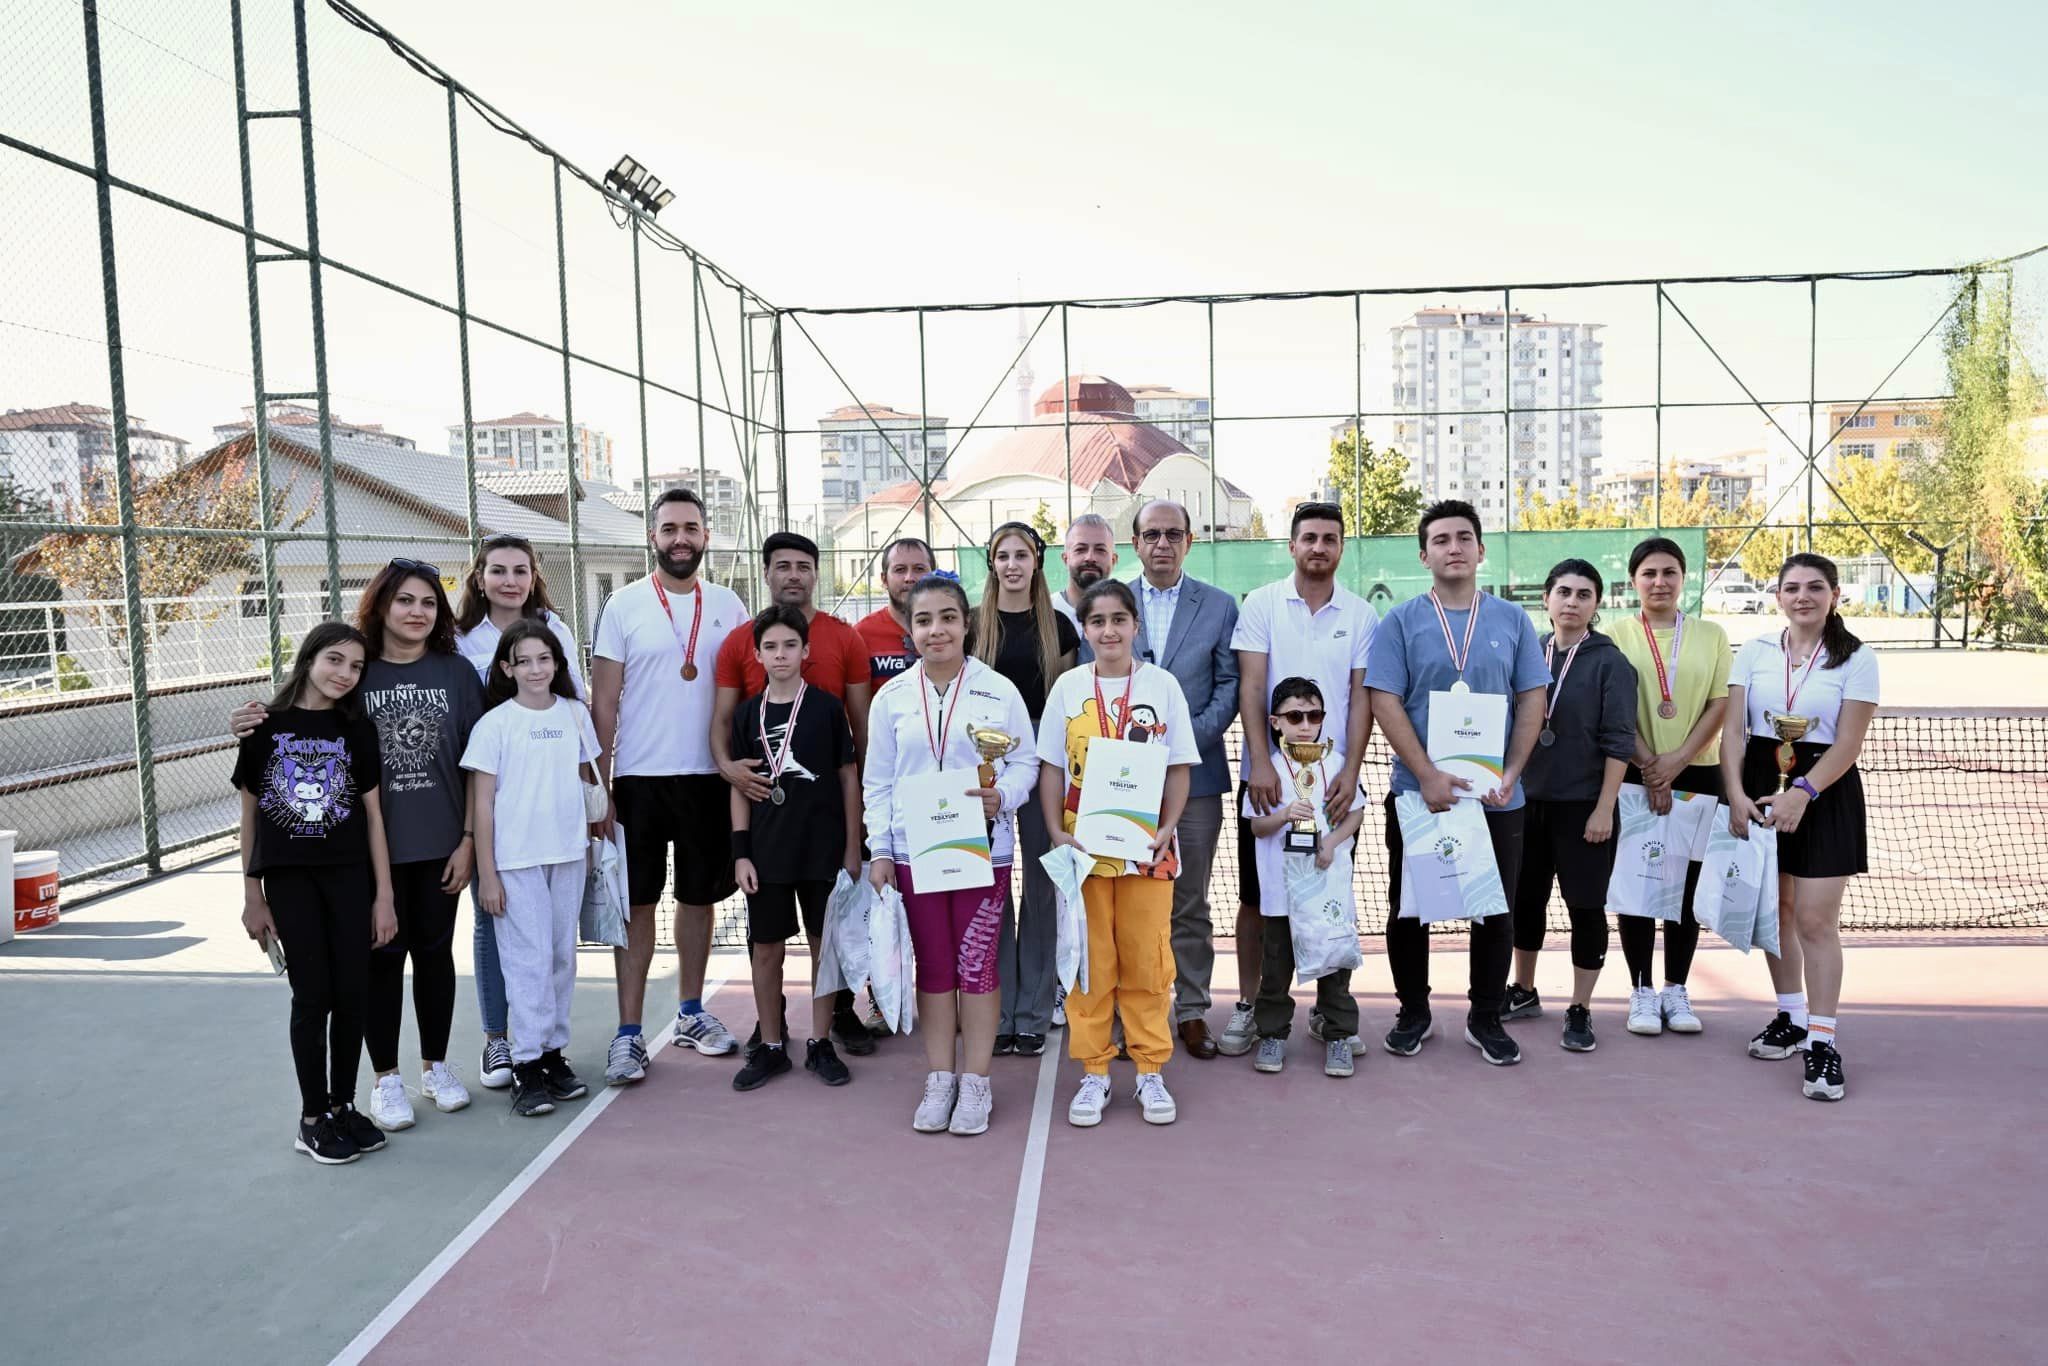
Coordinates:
x,y
1668,709
689,673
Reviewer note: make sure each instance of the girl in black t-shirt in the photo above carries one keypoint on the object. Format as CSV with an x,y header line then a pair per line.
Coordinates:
x,y
1019,633
318,875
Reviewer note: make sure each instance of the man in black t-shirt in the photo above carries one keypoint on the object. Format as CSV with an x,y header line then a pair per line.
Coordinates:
x,y
788,847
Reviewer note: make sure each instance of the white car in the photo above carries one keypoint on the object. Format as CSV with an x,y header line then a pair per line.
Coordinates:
x,y
1736,599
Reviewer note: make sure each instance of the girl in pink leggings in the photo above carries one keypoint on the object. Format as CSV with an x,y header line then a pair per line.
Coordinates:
x,y
920,723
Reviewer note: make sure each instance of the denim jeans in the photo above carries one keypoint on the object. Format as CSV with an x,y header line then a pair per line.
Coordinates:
x,y
490,978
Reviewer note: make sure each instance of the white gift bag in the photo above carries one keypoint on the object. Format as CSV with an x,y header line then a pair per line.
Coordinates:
x,y
1652,851
1319,916
843,938
891,965
1448,871
1737,895
602,919
1067,867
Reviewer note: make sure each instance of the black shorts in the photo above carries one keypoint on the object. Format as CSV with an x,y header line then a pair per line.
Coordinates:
x,y
1247,856
1831,840
1704,778
772,911
691,812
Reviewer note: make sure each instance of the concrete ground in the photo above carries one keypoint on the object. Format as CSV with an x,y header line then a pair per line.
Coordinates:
x,y
1658,1195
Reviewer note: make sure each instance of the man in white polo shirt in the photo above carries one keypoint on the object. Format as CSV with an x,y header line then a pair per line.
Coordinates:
x,y
1306,626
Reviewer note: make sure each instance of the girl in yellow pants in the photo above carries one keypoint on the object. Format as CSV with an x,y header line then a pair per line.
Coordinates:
x,y
1129,902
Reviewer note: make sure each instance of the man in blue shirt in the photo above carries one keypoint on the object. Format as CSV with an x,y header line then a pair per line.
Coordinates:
x,y
1454,633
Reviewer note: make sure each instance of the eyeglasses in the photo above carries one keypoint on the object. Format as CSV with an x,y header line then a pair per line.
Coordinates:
x,y
1301,718
418,567
1154,535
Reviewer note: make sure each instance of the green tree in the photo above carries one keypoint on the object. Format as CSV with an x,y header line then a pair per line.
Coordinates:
x,y
1255,527
1539,513
1042,523
1372,487
1873,491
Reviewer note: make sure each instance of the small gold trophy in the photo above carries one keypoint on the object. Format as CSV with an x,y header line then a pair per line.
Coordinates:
x,y
1307,755
993,744
1789,728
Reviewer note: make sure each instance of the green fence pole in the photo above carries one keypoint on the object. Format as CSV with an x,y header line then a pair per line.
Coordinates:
x,y
124,475
640,370
265,492
462,324
319,313
568,413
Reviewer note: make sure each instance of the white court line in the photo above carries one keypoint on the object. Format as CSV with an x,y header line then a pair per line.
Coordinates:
x,y
1002,1347
365,1342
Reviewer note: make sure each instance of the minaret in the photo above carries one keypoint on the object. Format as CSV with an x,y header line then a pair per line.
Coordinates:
x,y
1027,383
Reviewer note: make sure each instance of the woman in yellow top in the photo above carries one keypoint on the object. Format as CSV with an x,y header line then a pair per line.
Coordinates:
x,y
1681,667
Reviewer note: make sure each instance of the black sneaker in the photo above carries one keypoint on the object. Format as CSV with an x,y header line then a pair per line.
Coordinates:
x,y
851,1031
764,1063
1522,1004
1578,1030
1484,1033
822,1058
1778,1039
1030,1045
530,1090
1823,1072
325,1142
1006,1044
1411,1027
353,1122
561,1081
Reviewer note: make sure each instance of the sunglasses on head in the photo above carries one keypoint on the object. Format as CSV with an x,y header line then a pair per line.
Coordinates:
x,y
1302,718
418,567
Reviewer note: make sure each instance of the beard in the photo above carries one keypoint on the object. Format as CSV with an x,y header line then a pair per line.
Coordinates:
x,y
679,561
1086,576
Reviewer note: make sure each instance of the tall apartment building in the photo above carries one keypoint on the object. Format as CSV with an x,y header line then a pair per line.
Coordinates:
x,y
65,454
1454,373
722,494
1183,416
855,456
532,441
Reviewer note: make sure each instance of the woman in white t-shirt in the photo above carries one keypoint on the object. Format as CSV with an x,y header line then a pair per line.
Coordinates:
x,y
529,757
1813,674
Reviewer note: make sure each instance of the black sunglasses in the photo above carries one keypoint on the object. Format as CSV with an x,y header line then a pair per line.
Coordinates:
x,y
1298,718
418,567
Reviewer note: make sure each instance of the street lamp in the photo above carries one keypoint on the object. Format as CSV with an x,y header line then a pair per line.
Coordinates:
x,y
638,186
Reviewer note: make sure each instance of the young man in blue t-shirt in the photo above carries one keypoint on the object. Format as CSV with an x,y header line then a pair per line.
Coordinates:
x,y
1454,633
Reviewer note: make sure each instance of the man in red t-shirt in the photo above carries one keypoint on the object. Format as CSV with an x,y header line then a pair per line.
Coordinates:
x,y
886,631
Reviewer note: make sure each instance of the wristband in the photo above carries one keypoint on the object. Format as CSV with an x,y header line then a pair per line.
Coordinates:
x,y
742,844
1812,792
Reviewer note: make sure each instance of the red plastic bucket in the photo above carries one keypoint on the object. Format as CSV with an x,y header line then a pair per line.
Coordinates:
x,y
35,890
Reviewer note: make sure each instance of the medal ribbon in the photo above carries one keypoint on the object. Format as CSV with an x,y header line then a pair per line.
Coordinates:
x,y
779,759
1549,652
1458,657
1785,648
946,711
1123,703
1664,680
697,591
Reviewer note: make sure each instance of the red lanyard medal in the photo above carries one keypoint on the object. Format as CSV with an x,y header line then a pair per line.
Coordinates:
x,y
696,620
778,759
1666,681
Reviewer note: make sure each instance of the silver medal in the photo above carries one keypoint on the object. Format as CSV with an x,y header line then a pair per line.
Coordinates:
x,y
775,795
1547,737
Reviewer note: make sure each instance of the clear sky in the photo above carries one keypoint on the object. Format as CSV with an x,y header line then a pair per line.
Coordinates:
x,y
897,152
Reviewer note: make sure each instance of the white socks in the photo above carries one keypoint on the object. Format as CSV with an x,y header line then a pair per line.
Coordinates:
x,y
1793,1003
1821,1029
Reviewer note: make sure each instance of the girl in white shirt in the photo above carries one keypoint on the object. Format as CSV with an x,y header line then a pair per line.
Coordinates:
x,y
530,756
918,724
1811,673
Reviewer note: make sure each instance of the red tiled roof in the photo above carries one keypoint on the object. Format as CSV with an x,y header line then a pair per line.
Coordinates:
x,y
62,415
1087,394
520,420
1115,447
880,412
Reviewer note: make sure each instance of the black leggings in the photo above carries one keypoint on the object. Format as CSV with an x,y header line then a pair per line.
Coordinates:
x,y
1491,940
1553,834
1681,936
426,931
323,922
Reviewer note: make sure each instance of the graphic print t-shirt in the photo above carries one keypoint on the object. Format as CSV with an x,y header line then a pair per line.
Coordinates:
x,y
804,839
423,712
309,771
1155,714
888,645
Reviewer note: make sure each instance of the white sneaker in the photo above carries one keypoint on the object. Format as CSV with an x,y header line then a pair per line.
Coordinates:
x,y
1676,1009
1315,1031
440,1085
977,1102
935,1111
705,1033
390,1110
1239,1035
1643,1015
1089,1102
494,1069
1059,1007
1155,1099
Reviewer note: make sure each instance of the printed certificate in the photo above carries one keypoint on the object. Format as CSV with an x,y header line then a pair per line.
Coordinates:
x,y
1468,738
945,831
1121,792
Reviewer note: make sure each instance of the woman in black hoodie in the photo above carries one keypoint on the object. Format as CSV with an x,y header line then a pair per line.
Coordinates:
x,y
1573,778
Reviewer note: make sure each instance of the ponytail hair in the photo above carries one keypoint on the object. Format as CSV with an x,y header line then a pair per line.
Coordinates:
x,y
1835,636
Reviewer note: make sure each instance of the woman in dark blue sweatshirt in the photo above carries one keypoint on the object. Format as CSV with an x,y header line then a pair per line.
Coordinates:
x,y
1573,779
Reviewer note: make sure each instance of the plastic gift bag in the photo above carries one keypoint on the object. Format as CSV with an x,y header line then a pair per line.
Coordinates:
x,y
1448,871
843,938
1319,916
1737,895
1653,851
606,909
892,973
1068,867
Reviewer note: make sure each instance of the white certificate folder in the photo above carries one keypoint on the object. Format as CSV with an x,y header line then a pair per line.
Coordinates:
x,y
945,832
1121,793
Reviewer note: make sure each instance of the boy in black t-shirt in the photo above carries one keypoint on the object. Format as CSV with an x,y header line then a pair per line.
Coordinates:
x,y
788,847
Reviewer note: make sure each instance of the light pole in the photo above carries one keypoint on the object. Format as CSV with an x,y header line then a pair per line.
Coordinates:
x,y
1940,553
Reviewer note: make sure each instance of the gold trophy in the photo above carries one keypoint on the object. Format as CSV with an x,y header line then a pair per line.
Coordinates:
x,y
1789,728
1306,754
993,744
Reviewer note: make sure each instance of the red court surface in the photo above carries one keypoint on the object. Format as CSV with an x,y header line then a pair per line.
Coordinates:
x,y
1659,1197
